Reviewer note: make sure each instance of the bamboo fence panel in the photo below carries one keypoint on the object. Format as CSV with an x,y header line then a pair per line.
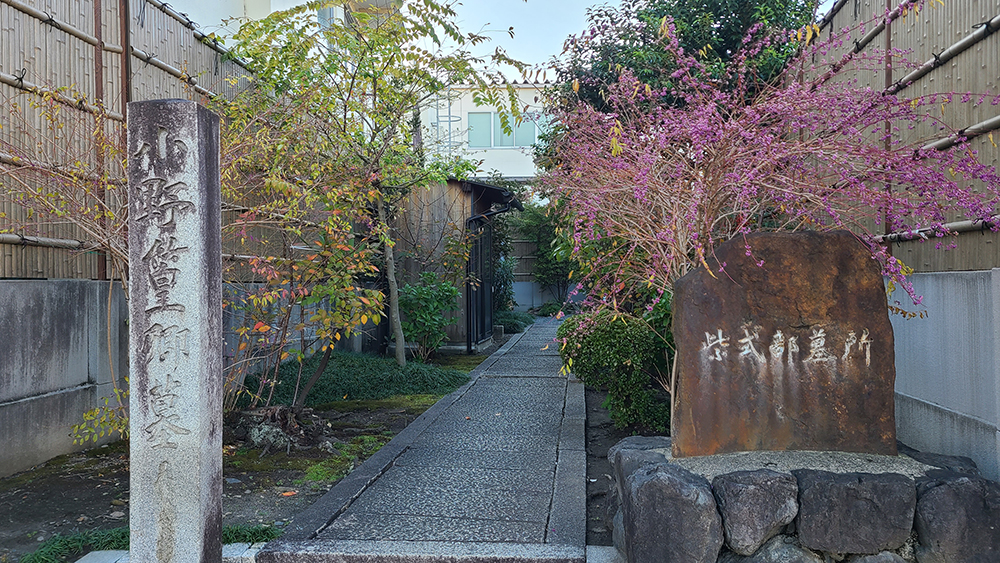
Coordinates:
x,y
923,35
63,46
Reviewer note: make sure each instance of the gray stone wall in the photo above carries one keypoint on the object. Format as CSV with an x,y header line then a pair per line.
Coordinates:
x,y
54,360
58,351
948,367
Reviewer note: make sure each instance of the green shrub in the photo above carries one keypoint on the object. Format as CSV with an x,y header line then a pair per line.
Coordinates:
x,y
363,377
613,352
503,284
423,307
549,308
513,321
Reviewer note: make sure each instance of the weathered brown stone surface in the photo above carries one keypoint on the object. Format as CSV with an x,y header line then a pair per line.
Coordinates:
x,y
793,354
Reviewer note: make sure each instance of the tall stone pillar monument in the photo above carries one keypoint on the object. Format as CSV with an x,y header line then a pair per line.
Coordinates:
x,y
175,332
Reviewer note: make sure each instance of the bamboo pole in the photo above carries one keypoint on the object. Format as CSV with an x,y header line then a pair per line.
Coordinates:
x,y
988,27
20,83
45,17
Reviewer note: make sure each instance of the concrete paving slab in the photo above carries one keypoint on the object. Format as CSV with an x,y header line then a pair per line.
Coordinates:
x,y
576,403
604,554
108,556
418,552
529,427
569,500
495,443
514,386
533,461
470,411
571,434
393,527
231,553
535,365
504,479
443,500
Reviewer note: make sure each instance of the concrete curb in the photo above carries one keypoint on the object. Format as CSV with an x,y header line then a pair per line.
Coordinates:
x,y
281,551
312,520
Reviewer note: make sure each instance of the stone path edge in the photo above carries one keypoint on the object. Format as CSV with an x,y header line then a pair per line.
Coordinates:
x,y
339,551
318,516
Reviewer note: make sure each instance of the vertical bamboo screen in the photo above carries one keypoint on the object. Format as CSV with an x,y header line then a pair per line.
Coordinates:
x,y
73,50
923,35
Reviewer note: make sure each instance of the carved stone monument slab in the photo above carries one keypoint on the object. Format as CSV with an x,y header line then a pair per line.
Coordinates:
x,y
175,332
794,353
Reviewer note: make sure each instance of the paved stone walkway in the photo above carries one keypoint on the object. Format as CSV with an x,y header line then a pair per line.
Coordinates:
x,y
496,471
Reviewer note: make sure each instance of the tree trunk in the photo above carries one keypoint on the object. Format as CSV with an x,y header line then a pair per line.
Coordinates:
x,y
300,401
390,274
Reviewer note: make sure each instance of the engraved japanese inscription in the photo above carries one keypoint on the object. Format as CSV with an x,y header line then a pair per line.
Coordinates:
x,y
796,353
175,332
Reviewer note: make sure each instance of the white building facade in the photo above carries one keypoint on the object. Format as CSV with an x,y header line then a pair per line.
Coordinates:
x,y
454,125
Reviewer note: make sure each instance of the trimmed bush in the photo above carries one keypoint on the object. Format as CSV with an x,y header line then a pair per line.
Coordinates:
x,y
423,307
363,377
614,352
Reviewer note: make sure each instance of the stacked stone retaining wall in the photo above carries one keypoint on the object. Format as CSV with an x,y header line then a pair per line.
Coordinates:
x,y
800,507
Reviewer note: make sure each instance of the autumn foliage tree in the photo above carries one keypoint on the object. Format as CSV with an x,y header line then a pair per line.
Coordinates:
x,y
334,101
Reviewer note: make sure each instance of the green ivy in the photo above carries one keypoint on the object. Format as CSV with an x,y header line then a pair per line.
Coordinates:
x,y
614,352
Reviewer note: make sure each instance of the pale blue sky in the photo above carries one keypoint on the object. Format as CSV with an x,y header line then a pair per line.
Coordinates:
x,y
540,26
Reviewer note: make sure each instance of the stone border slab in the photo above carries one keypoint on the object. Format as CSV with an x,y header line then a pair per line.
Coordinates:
x,y
315,551
231,553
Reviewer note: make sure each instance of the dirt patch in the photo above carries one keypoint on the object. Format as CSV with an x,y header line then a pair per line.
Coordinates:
x,y
601,435
264,483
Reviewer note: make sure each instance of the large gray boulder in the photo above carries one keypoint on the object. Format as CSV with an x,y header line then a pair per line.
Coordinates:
x,y
779,549
626,462
670,516
755,506
958,519
860,513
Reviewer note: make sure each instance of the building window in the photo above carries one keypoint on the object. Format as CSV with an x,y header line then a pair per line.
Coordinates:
x,y
480,135
486,131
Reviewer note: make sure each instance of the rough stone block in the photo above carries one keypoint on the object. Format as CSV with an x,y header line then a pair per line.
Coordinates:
x,y
958,520
626,462
618,531
670,516
884,557
859,513
638,443
957,463
779,549
784,343
755,506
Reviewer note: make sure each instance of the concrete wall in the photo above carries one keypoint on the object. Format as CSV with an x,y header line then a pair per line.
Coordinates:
x,y
948,367
56,362
54,359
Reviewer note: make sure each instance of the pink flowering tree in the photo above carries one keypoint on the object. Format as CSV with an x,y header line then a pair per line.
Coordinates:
x,y
660,177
